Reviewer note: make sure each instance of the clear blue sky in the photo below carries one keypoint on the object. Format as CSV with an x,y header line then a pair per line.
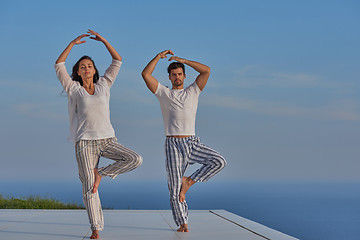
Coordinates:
x,y
282,102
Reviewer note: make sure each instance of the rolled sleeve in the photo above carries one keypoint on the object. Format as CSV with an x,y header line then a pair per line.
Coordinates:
x,y
112,72
63,76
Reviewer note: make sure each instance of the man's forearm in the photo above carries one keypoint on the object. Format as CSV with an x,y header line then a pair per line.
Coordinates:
x,y
199,67
150,81
149,69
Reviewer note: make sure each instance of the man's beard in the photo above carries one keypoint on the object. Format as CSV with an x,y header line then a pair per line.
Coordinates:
x,y
178,83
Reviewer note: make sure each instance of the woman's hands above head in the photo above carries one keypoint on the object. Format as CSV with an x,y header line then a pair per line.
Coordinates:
x,y
79,40
114,54
67,50
97,37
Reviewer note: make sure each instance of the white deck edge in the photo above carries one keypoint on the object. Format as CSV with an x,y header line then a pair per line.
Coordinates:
x,y
254,227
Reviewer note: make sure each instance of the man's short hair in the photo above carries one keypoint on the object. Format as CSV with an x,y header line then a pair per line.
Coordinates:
x,y
175,65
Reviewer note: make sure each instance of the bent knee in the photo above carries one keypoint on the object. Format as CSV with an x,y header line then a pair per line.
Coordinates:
x,y
221,162
138,160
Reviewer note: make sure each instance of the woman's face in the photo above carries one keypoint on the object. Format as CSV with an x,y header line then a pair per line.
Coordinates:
x,y
86,70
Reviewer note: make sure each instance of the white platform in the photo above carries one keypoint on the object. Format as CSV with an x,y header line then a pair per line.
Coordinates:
x,y
131,225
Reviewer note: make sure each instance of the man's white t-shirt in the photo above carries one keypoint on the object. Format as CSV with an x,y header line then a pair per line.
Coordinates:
x,y
178,107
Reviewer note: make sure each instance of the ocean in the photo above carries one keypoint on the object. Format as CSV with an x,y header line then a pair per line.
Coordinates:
x,y
305,210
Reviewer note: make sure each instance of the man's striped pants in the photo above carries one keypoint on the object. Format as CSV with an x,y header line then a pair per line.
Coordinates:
x,y
180,152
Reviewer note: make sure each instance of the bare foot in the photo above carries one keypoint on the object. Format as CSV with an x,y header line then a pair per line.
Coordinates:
x,y
95,234
186,183
97,180
183,228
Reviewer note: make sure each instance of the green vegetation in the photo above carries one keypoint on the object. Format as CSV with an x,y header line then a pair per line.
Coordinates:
x,y
35,203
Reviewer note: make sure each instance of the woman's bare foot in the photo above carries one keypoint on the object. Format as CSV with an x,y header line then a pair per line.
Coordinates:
x,y
186,183
183,228
97,180
95,234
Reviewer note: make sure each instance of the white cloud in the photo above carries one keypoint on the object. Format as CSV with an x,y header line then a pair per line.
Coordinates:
x,y
143,122
347,110
252,76
53,111
31,86
132,95
338,94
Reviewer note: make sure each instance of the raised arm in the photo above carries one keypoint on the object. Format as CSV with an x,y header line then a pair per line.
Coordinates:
x,y
150,81
114,54
204,70
67,50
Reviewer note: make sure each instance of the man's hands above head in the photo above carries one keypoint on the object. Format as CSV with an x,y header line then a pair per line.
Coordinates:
x,y
164,53
178,59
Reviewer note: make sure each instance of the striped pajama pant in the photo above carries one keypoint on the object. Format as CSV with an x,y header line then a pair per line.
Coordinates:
x,y
180,152
88,153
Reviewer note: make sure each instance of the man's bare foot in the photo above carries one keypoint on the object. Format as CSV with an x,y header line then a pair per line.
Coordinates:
x,y
95,234
97,180
186,183
183,228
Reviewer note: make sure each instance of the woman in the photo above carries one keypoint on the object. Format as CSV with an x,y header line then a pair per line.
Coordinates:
x,y
91,129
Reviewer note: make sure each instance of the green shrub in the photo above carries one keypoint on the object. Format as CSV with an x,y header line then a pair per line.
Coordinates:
x,y
35,203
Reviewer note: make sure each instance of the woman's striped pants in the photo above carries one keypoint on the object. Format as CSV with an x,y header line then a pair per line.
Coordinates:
x,y
88,153
180,152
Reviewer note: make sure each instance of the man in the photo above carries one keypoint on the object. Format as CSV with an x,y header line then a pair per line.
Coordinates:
x,y
182,147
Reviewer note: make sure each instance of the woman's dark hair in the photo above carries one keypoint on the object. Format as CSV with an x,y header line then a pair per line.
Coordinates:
x,y
175,65
75,69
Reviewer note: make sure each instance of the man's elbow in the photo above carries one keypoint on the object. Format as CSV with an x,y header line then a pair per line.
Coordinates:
x,y
143,74
207,70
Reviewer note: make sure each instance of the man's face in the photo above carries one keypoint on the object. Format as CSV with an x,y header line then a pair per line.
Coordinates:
x,y
177,77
